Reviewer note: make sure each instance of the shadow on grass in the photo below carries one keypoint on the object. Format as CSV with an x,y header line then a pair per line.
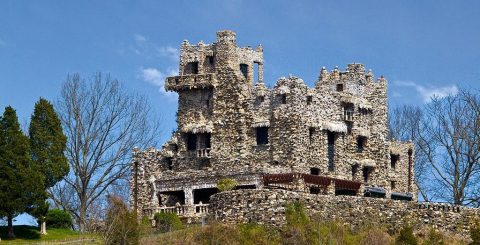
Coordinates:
x,y
21,231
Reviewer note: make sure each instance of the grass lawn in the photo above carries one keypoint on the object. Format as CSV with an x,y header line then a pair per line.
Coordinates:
x,y
31,235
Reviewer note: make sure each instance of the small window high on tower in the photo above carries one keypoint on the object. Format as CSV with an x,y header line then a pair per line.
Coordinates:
x,y
244,70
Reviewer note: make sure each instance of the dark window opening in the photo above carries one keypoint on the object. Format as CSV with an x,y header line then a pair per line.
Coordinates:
x,y
210,60
348,112
244,70
174,147
340,87
261,99
309,100
354,171
169,162
331,150
366,174
392,185
191,68
311,132
204,140
171,198
361,143
283,98
343,192
191,141
393,161
203,195
314,171
314,190
262,135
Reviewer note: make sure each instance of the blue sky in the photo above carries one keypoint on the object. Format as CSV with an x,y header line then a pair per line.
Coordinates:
x,y
421,47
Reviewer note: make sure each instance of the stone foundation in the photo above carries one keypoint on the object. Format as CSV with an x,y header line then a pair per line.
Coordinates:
x,y
268,207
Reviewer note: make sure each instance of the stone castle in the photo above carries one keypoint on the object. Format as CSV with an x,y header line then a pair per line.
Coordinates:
x,y
329,142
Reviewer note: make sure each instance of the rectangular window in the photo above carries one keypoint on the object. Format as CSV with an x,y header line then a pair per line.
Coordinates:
x,y
339,87
393,161
191,141
210,60
348,112
354,171
311,131
283,98
366,174
262,135
392,185
314,171
169,163
309,100
244,70
191,68
361,143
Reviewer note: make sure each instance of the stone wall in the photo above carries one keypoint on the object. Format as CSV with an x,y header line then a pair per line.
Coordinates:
x,y
268,207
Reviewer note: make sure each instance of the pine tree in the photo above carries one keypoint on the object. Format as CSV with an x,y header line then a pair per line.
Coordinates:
x,y
47,146
21,185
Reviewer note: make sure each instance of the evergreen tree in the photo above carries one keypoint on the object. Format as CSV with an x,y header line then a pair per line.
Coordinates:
x,y
47,146
21,185
47,143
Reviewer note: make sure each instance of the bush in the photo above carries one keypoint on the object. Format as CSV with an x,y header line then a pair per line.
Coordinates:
x,y
121,225
475,234
166,222
433,238
57,218
226,184
406,236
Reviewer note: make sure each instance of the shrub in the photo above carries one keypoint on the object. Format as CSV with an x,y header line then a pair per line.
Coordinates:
x,y
295,214
57,218
253,234
406,236
434,238
475,234
226,184
121,225
166,222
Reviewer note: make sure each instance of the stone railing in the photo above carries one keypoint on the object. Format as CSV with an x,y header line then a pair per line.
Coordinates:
x,y
181,210
205,153
193,81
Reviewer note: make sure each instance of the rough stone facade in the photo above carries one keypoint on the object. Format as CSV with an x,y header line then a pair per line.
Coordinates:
x,y
268,207
231,125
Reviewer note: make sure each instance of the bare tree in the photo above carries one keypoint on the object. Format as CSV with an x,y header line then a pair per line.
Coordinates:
x,y
452,133
446,134
103,122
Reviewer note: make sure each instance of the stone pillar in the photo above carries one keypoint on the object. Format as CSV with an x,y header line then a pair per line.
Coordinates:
x,y
260,72
331,188
188,196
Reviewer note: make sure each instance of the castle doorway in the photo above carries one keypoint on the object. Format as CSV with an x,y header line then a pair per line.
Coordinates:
x,y
203,195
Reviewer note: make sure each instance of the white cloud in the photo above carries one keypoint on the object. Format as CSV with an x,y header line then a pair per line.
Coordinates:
x,y
427,93
157,78
139,38
169,52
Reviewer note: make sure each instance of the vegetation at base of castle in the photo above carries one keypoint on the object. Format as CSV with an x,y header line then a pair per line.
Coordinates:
x,y
121,224
226,184
103,122
57,218
475,234
166,222
301,229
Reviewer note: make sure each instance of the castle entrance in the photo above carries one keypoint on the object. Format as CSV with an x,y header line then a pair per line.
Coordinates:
x,y
203,195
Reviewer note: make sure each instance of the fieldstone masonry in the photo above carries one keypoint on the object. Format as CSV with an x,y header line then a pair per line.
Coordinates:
x,y
231,125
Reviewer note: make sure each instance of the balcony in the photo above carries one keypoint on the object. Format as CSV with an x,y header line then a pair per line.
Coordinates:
x,y
194,81
348,115
196,210
203,153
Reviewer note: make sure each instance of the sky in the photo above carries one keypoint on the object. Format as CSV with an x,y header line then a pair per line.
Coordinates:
x,y
423,48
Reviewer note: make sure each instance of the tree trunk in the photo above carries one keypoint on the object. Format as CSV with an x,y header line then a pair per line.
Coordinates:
x,y
43,227
10,227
